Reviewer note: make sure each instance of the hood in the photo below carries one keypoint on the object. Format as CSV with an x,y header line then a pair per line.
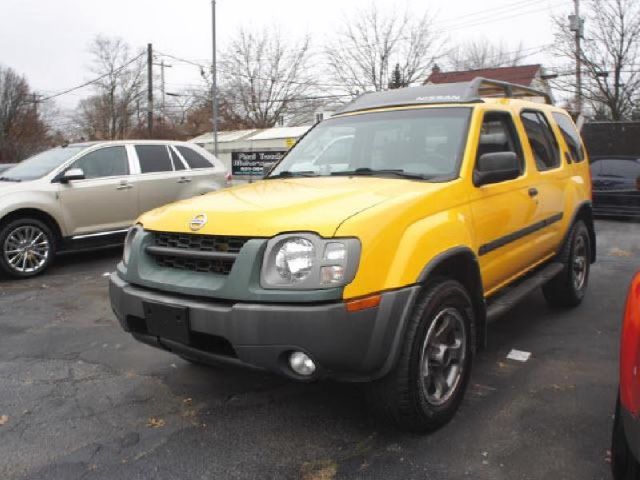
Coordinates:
x,y
8,188
269,207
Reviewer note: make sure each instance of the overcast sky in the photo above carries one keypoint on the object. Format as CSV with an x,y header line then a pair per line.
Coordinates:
x,y
47,40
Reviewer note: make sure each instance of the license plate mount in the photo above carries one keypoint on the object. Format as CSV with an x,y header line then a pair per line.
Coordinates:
x,y
167,321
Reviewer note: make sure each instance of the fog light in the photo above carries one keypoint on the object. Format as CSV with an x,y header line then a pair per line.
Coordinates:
x,y
301,364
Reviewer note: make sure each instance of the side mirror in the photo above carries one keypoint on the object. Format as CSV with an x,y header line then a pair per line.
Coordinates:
x,y
496,167
72,174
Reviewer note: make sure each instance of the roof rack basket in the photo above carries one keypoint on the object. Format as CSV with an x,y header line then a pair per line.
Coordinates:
x,y
443,93
484,87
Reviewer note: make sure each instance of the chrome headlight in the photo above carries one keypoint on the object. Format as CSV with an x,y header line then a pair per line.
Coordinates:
x,y
295,259
308,262
128,241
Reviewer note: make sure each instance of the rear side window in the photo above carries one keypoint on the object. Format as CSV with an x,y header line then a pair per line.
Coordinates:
x,y
177,163
105,162
542,140
193,158
571,136
154,158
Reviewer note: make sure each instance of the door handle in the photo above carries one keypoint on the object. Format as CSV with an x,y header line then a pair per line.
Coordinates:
x,y
533,192
184,180
124,186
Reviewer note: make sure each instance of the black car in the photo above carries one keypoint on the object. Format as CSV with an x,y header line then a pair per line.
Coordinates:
x,y
616,185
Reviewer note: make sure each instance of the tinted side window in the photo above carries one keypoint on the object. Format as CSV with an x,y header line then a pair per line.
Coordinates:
x,y
498,134
193,158
177,163
543,142
571,136
154,158
105,162
622,168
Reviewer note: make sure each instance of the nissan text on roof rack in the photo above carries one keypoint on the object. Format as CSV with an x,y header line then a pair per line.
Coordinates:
x,y
378,260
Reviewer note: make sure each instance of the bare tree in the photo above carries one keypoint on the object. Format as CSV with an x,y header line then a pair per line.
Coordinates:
x,y
22,131
109,113
370,44
610,56
263,76
481,53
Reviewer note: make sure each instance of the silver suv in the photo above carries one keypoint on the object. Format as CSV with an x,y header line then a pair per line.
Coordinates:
x,y
86,195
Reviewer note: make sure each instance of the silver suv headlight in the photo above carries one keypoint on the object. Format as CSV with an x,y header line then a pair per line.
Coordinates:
x,y
305,261
128,241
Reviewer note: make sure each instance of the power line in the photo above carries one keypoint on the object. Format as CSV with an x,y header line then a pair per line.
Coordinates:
x,y
504,16
90,82
485,17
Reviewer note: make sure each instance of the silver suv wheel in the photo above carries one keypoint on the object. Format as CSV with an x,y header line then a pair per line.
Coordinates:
x,y
26,249
442,358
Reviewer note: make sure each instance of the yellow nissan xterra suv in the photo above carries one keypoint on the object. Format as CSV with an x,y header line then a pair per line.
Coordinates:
x,y
377,250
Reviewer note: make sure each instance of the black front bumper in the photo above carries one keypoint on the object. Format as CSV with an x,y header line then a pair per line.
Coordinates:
x,y
350,346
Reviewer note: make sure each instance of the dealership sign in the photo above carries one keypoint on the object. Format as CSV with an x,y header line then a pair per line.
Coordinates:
x,y
253,164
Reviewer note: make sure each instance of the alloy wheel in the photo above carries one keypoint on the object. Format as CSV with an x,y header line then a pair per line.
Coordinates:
x,y
443,356
26,249
579,263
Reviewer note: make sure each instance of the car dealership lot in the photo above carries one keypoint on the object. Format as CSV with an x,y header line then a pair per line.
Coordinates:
x,y
84,400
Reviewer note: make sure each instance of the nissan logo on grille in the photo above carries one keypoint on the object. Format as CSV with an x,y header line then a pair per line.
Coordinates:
x,y
198,222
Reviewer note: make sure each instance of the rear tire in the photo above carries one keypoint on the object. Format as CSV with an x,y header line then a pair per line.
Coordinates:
x,y
568,288
424,390
27,247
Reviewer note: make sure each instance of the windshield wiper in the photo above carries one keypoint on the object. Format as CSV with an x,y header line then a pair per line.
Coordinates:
x,y
7,179
370,172
288,174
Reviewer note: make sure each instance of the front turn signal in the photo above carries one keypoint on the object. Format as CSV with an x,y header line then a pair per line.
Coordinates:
x,y
363,303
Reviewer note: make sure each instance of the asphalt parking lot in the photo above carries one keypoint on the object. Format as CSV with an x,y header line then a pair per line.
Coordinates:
x,y
82,400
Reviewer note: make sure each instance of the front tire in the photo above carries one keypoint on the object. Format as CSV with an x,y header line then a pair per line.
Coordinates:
x,y
27,247
425,389
568,288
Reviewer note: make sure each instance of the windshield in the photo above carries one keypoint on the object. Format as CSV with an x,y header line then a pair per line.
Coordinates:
x,y
417,143
40,165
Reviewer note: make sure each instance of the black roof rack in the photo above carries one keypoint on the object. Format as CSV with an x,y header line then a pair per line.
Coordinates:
x,y
463,92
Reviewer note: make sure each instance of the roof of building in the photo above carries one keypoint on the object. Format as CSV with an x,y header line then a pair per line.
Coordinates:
x,y
432,94
281,132
224,136
521,75
255,134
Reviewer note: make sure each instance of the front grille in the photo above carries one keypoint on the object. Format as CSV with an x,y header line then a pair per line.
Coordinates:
x,y
222,267
196,253
201,243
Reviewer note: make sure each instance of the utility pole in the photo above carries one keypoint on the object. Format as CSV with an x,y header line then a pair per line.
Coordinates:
x,y
162,84
35,102
214,79
149,90
162,66
576,25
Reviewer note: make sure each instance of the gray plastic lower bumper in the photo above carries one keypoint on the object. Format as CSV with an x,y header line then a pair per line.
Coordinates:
x,y
350,346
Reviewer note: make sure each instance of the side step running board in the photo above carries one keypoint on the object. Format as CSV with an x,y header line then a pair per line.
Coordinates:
x,y
505,302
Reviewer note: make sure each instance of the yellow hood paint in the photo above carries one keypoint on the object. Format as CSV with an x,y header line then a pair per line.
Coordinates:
x,y
269,207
